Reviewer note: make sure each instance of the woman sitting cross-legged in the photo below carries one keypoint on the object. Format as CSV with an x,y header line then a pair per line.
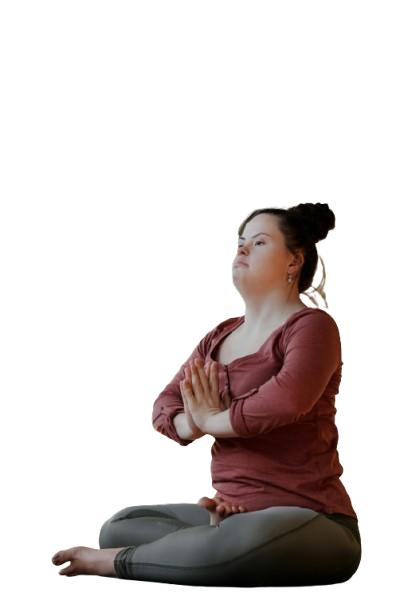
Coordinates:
x,y
263,386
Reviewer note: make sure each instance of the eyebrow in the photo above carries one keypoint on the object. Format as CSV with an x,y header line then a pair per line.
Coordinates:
x,y
260,233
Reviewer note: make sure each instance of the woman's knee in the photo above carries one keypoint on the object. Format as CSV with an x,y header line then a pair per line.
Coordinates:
x,y
138,525
110,530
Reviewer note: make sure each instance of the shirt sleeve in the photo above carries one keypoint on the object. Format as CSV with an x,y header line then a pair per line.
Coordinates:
x,y
169,402
312,356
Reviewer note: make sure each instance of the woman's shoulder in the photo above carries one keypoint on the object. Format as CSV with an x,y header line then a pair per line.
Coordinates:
x,y
316,313
311,321
226,325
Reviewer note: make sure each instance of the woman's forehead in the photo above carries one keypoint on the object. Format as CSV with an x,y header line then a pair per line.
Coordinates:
x,y
263,222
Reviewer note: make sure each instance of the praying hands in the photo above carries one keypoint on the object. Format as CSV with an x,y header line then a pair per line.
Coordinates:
x,y
203,405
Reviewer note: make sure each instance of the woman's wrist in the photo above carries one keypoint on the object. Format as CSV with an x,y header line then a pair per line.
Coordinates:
x,y
184,429
219,425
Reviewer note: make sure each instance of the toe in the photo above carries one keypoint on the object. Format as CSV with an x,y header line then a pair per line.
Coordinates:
x,y
57,558
67,571
207,503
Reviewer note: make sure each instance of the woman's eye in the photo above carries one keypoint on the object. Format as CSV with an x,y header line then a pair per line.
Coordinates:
x,y
256,243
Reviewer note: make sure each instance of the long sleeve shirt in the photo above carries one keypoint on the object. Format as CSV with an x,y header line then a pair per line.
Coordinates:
x,y
283,411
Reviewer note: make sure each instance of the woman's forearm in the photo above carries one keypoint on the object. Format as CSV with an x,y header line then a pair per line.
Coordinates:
x,y
219,425
184,429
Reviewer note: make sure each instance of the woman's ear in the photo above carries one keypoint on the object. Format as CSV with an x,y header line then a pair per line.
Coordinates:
x,y
297,263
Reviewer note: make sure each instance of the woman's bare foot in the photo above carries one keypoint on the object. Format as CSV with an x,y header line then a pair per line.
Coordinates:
x,y
219,509
85,560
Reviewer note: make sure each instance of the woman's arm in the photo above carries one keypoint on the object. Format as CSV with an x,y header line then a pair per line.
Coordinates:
x,y
219,425
168,408
169,416
183,428
311,369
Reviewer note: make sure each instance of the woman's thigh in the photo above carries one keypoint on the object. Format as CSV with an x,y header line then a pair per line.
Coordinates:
x,y
138,525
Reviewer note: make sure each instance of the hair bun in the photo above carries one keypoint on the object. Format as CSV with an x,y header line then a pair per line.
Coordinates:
x,y
316,219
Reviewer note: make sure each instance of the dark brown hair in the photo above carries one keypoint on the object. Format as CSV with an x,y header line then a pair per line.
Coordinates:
x,y
302,226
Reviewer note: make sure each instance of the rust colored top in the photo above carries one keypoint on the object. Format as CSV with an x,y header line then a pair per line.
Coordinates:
x,y
283,410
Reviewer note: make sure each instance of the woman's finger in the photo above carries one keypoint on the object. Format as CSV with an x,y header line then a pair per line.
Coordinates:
x,y
183,395
202,374
226,399
182,392
187,374
214,382
196,382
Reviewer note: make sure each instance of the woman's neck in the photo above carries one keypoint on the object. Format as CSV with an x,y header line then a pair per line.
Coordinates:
x,y
264,314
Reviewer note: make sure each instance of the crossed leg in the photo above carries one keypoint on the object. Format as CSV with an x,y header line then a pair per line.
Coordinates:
x,y
83,560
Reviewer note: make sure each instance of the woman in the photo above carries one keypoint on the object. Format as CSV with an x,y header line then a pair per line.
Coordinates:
x,y
263,386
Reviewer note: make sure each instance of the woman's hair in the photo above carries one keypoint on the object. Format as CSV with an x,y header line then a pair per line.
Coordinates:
x,y
302,226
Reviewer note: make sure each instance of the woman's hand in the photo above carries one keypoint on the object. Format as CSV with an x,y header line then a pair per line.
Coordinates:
x,y
200,391
195,431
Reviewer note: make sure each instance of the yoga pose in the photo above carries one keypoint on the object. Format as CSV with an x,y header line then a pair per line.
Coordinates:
x,y
263,386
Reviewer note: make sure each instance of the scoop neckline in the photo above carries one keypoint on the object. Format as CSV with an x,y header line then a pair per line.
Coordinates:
x,y
241,321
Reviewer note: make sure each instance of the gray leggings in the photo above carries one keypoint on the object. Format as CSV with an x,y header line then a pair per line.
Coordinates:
x,y
278,546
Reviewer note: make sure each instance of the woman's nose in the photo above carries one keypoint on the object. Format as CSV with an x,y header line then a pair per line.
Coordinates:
x,y
242,250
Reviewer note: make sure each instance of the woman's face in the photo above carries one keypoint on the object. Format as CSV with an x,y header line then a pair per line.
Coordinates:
x,y
262,261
